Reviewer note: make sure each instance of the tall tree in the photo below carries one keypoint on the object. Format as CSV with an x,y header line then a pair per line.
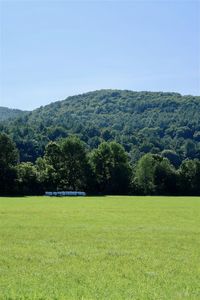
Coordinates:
x,y
111,168
47,175
155,175
27,179
75,167
165,176
145,174
189,177
50,166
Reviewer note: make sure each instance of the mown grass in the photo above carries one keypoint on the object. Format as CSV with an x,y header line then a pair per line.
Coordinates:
x,y
100,248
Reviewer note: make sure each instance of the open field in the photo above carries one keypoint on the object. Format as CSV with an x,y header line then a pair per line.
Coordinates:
x,y
100,248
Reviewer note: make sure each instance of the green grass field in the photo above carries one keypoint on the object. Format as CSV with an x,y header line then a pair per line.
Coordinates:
x,y
100,248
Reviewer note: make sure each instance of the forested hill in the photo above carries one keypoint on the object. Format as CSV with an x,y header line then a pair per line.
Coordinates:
x,y
142,122
8,113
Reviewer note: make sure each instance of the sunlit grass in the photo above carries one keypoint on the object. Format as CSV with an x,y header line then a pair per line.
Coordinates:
x,y
100,248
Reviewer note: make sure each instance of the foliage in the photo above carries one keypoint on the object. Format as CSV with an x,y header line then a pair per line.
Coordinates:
x,y
68,165
145,174
111,168
27,180
172,156
7,113
8,159
155,175
74,164
189,177
142,122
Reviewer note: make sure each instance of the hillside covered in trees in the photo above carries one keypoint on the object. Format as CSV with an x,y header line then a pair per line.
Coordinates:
x,y
8,113
142,122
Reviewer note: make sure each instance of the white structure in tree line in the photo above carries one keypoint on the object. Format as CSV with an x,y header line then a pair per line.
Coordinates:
x,y
65,193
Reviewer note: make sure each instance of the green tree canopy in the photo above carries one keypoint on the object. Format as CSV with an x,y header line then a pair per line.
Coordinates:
x,y
27,179
189,177
74,164
155,175
111,168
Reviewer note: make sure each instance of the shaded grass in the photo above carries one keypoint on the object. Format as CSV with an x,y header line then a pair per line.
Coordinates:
x,y
116,247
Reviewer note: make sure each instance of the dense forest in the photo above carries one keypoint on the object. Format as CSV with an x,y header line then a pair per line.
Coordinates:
x,y
68,165
142,122
103,142
8,113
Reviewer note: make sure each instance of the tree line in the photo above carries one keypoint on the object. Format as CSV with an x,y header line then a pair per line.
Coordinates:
x,y
68,164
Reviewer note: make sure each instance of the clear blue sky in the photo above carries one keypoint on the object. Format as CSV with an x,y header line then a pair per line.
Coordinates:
x,y
53,49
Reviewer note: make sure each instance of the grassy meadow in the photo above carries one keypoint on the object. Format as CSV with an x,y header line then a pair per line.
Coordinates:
x,y
116,247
